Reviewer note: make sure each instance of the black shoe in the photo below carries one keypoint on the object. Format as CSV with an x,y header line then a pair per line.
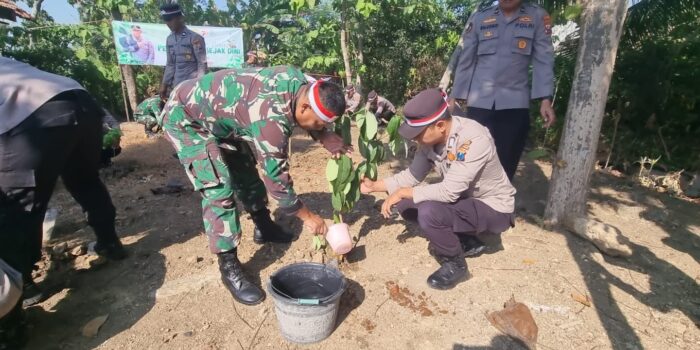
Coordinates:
x,y
236,281
471,245
452,271
12,327
31,293
267,230
112,249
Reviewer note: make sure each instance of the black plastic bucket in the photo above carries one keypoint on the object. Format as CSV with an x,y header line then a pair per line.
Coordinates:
x,y
307,296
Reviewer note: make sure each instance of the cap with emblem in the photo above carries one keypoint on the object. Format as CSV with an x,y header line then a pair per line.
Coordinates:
x,y
421,111
170,11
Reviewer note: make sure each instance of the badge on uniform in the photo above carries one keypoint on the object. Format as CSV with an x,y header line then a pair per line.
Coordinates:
x,y
462,151
489,20
469,27
451,156
522,44
547,24
488,34
188,57
526,19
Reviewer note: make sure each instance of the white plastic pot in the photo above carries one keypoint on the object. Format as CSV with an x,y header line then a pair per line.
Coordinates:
x,y
338,237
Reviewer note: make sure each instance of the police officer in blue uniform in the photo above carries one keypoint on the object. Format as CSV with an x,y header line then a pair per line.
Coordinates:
x,y
187,53
501,42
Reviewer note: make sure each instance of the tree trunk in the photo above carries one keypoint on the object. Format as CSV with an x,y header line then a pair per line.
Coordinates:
x,y
600,35
360,57
36,7
447,76
130,82
127,74
346,55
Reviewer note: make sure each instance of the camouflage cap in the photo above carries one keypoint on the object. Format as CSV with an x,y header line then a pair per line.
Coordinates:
x,y
421,111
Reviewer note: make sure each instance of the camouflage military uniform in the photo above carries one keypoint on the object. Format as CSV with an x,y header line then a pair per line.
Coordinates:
x,y
212,122
147,112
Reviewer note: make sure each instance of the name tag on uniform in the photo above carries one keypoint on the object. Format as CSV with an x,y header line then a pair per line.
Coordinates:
x,y
489,26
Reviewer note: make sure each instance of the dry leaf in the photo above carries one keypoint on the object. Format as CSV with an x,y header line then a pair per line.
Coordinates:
x,y
91,328
516,321
583,299
529,261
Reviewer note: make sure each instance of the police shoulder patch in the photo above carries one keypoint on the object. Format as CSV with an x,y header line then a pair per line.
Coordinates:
x,y
469,27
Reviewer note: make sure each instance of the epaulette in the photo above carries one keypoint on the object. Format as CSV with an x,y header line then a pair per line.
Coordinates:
x,y
489,8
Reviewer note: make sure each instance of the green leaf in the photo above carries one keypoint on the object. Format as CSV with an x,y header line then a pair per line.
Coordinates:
x,y
372,152
337,201
364,149
393,127
380,153
332,170
362,169
370,126
344,170
537,153
360,119
372,172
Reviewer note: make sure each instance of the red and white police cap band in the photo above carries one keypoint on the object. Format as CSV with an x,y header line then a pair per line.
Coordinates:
x,y
315,102
429,119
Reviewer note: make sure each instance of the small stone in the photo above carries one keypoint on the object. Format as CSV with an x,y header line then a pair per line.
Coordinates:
x,y
79,250
91,328
188,333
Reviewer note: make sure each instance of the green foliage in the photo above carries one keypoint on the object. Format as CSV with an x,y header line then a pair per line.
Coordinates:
x,y
371,148
344,185
111,138
395,139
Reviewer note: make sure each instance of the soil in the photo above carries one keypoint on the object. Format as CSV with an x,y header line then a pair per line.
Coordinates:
x,y
167,293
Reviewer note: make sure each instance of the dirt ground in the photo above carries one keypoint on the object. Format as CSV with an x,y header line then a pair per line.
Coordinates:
x,y
167,294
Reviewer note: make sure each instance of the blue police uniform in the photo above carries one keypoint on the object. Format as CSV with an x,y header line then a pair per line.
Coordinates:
x,y
187,58
492,74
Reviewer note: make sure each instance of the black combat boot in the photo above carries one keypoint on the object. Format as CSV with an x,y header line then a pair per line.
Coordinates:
x,y
31,293
236,281
12,326
111,249
453,269
267,230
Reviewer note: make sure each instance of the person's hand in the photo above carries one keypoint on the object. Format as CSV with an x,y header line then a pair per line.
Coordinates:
x,y
390,202
334,144
367,186
163,93
315,224
547,113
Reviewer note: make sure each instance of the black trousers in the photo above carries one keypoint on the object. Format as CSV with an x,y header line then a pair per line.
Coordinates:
x,y
61,138
441,223
509,129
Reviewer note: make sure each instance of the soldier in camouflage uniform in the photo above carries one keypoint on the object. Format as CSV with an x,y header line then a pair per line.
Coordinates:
x,y
218,123
147,112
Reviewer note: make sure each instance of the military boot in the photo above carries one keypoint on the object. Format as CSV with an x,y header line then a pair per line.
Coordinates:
x,y
267,230
453,269
111,249
31,293
236,281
